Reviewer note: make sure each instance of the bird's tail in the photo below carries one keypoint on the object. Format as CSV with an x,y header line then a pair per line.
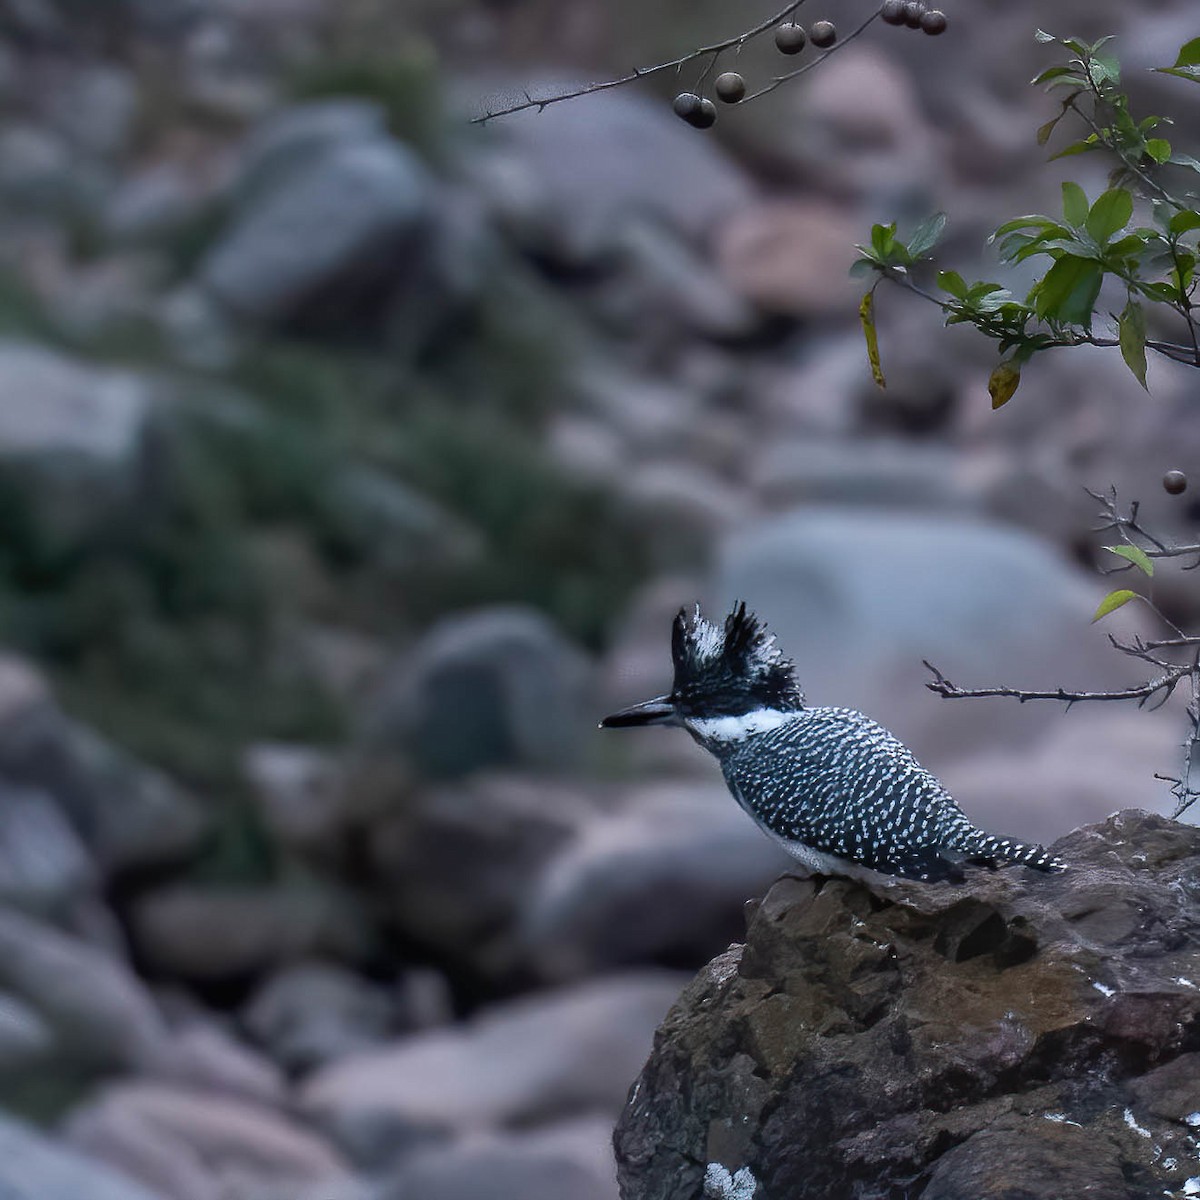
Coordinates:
x,y
986,847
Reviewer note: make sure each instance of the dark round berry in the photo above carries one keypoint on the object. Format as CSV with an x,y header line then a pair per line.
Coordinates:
x,y
705,116
1174,482
892,12
914,10
730,87
790,39
933,22
823,34
686,105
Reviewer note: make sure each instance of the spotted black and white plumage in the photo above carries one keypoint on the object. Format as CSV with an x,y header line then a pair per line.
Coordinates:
x,y
836,788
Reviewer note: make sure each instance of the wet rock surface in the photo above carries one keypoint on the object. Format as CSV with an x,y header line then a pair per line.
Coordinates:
x,y
1025,1036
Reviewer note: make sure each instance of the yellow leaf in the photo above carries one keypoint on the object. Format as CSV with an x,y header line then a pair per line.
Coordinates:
x,y
866,314
1112,601
1004,381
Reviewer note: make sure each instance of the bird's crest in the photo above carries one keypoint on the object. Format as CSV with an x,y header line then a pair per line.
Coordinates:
x,y
737,667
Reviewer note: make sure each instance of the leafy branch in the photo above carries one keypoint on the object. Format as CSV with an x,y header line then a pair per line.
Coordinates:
x,y
1137,233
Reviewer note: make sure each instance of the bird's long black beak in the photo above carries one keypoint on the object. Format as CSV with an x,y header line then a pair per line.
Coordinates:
x,y
659,711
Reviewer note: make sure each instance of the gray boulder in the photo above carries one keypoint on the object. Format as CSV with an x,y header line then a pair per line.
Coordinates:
x,y
43,863
521,1166
662,879
1015,1036
495,687
99,1013
858,599
228,932
454,865
32,1167
127,814
552,1055
345,219
570,178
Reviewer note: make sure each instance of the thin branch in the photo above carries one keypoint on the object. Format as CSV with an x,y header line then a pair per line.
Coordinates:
x,y
637,73
1141,692
780,80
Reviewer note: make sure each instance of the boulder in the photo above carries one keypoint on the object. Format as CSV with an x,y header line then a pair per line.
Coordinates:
x,y
311,1013
43,863
555,1054
661,879
858,598
98,1011
1018,1036
792,257
32,1167
125,813
230,932
341,223
494,687
543,1165
569,179
454,865
194,1145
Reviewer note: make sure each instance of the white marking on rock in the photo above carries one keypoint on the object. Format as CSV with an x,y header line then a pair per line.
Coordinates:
x,y
1192,1119
1104,991
1131,1121
1061,1119
1192,1186
720,1185
1187,983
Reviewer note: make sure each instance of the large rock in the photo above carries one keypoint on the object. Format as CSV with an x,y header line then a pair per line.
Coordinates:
x,y
43,864
543,1165
495,687
662,879
570,178
552,1055
210,934
32,1167
1020,1037
197,1146
342,222
127,814
859,598
98,1011
311,1013
455,865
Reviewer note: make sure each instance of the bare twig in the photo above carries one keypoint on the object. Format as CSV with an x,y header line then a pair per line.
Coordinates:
x,y
637,73
1154,692
1166,683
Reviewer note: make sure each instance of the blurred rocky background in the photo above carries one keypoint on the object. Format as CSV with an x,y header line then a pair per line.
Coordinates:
x,y
353,460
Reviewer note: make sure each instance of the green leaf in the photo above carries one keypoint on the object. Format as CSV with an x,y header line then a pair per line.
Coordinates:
x,y
1067,292
1075,205
1191,72
863,266
1054,73
1111,212
1184,221
952,282
1033,221
1042,36
866,314
1135,555
1159,149
926,235
1091,142
1189,54
1131,333
1185,160
883,240
1003,382
1113,601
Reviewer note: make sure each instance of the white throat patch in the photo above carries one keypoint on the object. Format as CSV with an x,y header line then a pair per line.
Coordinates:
x,y
735,729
